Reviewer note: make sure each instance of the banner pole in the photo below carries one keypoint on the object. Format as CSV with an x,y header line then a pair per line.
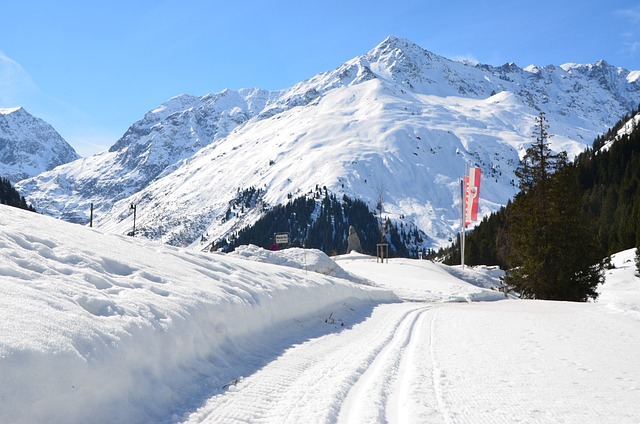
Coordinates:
x,y
466,195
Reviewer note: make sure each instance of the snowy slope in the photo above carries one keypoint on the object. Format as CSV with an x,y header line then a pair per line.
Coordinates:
x,y
173,131
29,146
398,121
104,328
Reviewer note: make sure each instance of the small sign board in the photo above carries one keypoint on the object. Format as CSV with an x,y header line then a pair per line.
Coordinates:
x,y
281,238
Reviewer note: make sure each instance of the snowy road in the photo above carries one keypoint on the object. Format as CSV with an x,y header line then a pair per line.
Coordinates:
x,y
425,362
379,370
452,363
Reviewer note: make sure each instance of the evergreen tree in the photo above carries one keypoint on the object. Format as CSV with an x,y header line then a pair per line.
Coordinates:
x,y
551,251
10,196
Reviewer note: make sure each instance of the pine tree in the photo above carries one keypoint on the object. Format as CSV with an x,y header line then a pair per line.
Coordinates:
x,y
551,251
10,196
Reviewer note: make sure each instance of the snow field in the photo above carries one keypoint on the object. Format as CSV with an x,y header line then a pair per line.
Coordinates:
x,y
424,280
534,361
103,328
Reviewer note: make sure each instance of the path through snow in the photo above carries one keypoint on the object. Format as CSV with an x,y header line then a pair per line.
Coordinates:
x,y
376,371
426,362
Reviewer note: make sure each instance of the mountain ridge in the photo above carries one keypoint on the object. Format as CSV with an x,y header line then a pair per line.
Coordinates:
x,y
398,119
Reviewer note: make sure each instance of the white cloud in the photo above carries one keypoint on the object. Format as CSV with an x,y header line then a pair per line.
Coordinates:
x,y
15,83
632,14
469,59
633,47
632,44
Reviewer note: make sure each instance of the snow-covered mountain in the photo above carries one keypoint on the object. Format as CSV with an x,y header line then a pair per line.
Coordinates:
x,y
29,146
398,122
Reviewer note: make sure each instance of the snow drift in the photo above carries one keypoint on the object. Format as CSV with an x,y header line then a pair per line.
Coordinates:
x,y
106,328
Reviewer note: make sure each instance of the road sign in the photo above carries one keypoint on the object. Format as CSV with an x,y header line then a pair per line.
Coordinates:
x,y
281,238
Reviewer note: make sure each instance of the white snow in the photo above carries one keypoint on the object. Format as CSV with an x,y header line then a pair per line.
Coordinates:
x,y
9,110
106,329
626,129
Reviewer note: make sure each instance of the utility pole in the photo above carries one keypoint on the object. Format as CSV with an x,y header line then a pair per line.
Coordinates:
x,y
382,248
133,208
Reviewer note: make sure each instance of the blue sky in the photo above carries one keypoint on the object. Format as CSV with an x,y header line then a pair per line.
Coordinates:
x,y
91,69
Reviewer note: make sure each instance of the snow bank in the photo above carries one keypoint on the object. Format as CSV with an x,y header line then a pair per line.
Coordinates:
x,y
621,292
313,260
104,328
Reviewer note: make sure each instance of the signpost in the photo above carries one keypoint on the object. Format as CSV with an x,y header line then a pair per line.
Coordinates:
x,y
382,252
281,238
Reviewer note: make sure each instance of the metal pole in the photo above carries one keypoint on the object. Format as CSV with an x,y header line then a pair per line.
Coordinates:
x,y
91,217
134,207
304,250
463,223
462,208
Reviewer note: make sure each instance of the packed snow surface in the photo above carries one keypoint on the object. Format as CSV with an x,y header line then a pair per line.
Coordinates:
x,y
107,329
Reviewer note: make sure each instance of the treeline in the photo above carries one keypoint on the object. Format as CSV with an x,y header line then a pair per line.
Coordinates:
x,y
10,196
484,245
322,221
552,238
565,215
608,177
610,180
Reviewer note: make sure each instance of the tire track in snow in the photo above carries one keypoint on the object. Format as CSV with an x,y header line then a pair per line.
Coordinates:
x,y
414,399
399,385
368,399
436,373
312,382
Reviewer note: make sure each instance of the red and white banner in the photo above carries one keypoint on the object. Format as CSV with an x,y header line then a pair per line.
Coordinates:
x,y
471,195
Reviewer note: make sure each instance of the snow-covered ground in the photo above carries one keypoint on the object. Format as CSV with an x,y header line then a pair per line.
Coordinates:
x,y
108,329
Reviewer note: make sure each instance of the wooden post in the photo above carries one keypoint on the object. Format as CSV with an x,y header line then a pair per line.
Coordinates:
x,y
382,252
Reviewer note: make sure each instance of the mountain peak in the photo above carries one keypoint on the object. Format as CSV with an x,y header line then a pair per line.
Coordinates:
x,y
10,110
394,45
395,42
29,145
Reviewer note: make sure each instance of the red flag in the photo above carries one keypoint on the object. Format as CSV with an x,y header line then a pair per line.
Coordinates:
x,y
471,195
